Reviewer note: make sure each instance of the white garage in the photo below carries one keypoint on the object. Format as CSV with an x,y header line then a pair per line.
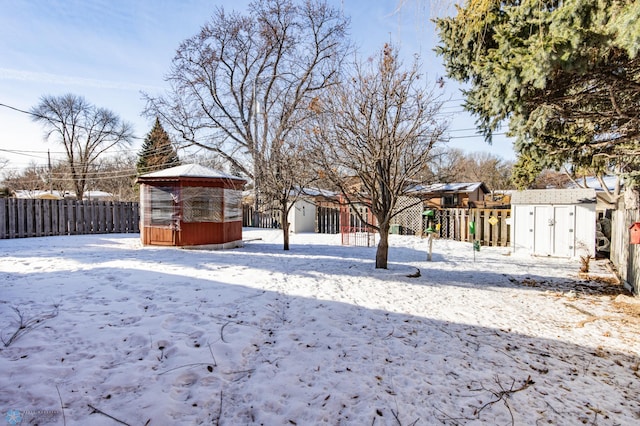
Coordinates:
x,y
554,222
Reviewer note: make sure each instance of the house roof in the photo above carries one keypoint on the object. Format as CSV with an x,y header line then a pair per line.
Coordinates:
x,y
59,195
455,187
48,195
317,192
190,171
97,194
593,182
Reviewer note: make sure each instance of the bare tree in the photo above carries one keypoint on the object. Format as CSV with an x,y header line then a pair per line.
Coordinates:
x,y
494,171
116,176
379,126
244,83
550,178
31,178
85,131
285,176
454,165
446,165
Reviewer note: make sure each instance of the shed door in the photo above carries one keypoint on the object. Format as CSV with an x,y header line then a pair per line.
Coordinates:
x,y
554,230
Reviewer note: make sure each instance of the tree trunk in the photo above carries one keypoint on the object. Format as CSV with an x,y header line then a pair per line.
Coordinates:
x,y
285,227
79,187
382,253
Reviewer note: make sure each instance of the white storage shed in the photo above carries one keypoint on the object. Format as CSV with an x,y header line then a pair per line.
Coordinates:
x,y
554,222
302,216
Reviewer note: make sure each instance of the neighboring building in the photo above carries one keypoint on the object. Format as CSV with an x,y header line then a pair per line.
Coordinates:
x,y
606,203
59,195
191,205
554,222
98,196
610,182
452,195
39,194
318,210
302,216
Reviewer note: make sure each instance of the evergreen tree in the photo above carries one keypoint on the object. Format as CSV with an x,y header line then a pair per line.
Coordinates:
x,y
157,151
565,75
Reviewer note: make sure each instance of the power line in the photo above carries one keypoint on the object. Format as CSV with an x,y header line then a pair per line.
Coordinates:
x,y
20,152
476,136
98,175
32,114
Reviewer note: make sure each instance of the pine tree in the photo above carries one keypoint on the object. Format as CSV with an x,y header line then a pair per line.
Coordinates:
x,y
563,75
157,151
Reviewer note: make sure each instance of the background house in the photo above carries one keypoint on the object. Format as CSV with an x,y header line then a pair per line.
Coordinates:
x,y
317,210
62,195
38,194
452,195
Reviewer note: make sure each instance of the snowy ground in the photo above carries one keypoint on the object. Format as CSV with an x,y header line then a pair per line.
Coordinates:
x,y
99,330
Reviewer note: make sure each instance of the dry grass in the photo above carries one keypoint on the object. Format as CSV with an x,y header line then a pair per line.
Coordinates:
x,y
628,305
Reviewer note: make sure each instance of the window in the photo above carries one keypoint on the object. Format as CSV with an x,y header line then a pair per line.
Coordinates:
x,y
450,200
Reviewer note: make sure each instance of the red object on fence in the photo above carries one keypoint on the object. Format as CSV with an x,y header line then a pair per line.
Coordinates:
x,y
634,233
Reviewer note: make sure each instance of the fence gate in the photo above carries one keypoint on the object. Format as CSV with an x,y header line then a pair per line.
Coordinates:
x,y
354,230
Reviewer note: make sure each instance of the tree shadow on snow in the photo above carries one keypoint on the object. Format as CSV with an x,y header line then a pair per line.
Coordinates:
x,y
151,347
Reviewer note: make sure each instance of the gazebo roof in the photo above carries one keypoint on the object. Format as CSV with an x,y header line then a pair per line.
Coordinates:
x,y
190,171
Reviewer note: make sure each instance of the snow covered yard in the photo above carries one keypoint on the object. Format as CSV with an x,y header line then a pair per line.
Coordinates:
x,y
99,330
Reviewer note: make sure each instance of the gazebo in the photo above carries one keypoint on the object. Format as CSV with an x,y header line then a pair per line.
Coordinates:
x,y
191,206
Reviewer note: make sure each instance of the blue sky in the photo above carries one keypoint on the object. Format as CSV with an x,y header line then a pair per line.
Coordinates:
x,y
110,50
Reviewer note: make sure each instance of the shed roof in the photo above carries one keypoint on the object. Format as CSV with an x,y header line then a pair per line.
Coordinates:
x,y
190,171
554,196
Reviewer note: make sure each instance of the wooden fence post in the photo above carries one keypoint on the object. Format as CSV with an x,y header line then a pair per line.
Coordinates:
x,y
63,218
3,218
136,218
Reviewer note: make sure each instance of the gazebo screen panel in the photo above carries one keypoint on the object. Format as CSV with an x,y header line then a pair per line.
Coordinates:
x,y
202,204
162,201
232,205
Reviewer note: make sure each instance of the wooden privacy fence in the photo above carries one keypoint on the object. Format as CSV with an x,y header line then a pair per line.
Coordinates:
x,y
259,220
454,225
20,218
327,220
624,255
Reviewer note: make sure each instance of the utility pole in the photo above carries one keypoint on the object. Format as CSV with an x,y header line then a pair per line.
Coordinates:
x,y
49,164
256,167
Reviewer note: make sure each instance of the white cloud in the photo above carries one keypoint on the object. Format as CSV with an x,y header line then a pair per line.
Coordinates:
x,y
65,80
